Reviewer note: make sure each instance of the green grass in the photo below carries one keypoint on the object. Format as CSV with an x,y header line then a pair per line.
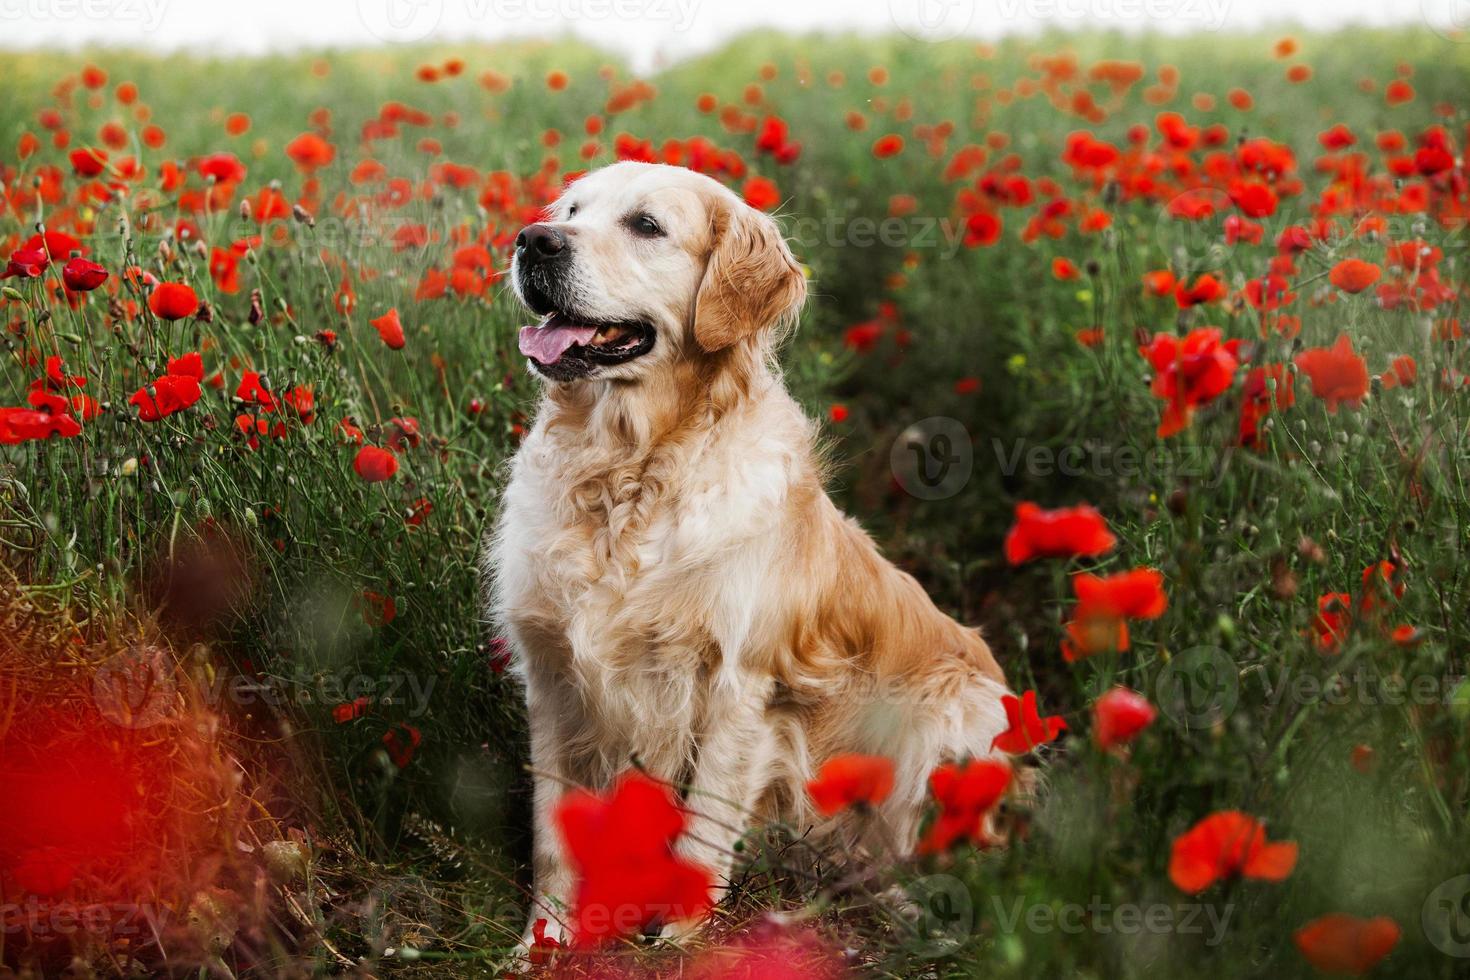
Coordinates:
x,y
97,522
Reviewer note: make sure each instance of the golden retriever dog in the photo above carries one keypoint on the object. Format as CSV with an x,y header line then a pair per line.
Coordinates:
x,y
678,589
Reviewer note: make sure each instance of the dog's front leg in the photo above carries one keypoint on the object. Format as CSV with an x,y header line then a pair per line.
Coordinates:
x,y
732,770
551,876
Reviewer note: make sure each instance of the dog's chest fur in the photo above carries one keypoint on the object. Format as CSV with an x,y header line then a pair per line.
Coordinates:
x,y
638,579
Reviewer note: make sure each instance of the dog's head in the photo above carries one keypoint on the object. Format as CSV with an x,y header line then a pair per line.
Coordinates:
x,y
641,265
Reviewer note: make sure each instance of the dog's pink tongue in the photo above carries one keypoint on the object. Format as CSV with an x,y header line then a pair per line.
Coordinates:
x,y
547,344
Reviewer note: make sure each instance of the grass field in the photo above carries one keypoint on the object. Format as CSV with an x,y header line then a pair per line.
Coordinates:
x,y
247,697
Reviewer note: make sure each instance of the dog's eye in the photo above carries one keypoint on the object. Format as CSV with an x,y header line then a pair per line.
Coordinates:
x,y
571,211
646,226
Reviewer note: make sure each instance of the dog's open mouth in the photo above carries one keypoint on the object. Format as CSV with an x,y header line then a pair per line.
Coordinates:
x,y
563,347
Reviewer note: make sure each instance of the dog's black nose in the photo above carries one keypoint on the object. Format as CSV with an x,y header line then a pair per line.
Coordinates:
x,y
538,242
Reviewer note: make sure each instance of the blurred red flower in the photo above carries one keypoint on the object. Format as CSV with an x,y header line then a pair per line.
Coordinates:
x,y
1067,532
390,329
1205,289
621,848
761,193
173,301
1226,844
888,146
309,151
1338,375
851,780
1137,594
1189,372
1354,275
19,425
1118,717
1332,620
374,464
966,793
401,741
1340,943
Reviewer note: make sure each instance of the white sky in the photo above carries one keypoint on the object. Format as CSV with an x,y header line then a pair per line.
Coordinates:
x,y
650,31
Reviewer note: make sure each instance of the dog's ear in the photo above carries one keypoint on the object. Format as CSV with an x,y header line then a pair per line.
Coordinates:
x,y
751,280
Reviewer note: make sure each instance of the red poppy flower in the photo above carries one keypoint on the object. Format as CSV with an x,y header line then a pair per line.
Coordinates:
x,y
173,301
390,329
1091,635
850,780
1333,619
621,848
310,151
1238,229
761,193
378,609
401,741
1402,373
982,229
350,711
25,263
1027,728
888,146
252,391
1189,372
88,161
1118,717
375,465
19,425
1383,585
1338,375
165,396
1354,275
1258,400
1064,268
1067,532
1255,200
190,365
224,168
965,794
1225,844
542,945
1205,289
1137,594
1160,282
1340,943
83,275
